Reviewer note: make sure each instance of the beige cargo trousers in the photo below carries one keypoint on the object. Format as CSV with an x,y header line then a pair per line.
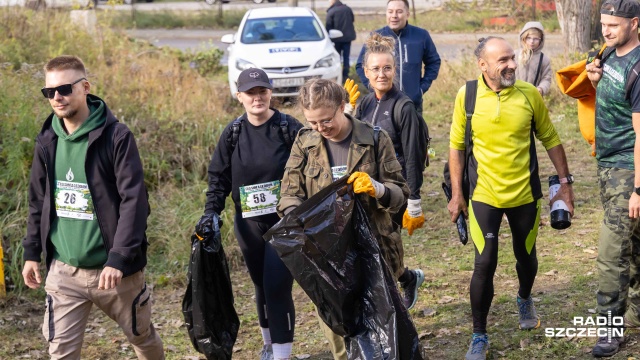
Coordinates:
x,y
71,292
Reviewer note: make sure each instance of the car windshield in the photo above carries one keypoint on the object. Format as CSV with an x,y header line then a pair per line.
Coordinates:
x,y
273,30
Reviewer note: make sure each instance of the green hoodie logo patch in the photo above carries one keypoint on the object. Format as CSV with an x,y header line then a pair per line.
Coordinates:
x,y
70,176
73,199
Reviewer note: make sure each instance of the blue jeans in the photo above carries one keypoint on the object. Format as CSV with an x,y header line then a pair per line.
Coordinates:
x,y
344,48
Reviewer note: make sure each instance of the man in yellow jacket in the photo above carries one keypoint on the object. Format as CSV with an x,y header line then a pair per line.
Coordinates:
x,y
504,180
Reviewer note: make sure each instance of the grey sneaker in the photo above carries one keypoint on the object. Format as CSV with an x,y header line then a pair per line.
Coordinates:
x,y
604,348
478,348
410,289
266,353
527,311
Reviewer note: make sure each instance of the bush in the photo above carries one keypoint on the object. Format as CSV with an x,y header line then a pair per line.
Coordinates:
x,y
205,61
175,113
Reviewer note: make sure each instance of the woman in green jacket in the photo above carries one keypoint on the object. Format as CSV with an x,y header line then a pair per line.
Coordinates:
x,y
335,144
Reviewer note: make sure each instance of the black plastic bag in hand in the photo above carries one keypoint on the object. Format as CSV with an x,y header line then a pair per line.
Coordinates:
x,y
328,246
205,226
207,306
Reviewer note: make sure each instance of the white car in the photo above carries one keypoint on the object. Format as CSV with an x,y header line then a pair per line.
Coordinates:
x,y
289,43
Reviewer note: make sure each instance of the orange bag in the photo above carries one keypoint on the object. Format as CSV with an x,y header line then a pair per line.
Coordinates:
x,y
573,81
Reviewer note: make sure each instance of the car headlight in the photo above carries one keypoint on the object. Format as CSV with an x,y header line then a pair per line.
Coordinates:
x,y
326,61
244,65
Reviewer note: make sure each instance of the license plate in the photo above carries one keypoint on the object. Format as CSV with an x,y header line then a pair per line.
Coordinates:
x,y
288,82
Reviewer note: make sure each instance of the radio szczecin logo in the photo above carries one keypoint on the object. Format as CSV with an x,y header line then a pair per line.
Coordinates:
x,y
600,326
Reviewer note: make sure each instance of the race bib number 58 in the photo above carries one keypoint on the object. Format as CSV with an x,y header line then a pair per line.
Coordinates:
x,y
260,199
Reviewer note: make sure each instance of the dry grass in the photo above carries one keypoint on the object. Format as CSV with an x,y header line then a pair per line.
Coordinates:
x,y
177,115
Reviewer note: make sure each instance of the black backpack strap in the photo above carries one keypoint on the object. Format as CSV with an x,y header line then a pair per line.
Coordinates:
x,y
235,132
284,126
538,70
397,113
605,54
471,92
376,137
631,80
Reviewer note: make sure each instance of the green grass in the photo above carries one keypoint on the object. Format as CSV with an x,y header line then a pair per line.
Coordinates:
x,y
462,19
176,115
206,19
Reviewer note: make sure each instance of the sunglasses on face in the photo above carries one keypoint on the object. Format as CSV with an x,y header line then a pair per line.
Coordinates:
x,y
63,90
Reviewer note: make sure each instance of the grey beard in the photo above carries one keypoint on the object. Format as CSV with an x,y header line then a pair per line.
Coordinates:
x,y
504,82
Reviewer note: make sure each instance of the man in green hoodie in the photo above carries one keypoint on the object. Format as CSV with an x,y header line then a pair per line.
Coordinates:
x,y
88,211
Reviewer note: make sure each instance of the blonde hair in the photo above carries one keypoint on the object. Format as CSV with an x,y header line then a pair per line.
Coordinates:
x,y
525,52
378,44
319,93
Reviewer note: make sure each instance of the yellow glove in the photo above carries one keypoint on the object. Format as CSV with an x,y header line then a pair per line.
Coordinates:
x,y
363,183
413,218
352,89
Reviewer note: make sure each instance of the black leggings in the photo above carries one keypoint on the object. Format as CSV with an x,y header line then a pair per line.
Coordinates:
x,y
484,224
271,278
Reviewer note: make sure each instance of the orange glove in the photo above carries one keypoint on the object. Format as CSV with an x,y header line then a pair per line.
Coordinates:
x,y
413,218
352,89
363,183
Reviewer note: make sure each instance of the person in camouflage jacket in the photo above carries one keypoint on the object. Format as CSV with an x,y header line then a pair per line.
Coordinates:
x,y
334,145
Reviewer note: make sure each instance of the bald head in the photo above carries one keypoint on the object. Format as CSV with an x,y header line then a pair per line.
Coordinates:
x,y
482,45
496,60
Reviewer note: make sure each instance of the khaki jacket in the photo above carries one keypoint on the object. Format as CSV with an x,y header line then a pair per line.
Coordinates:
x,y
308,171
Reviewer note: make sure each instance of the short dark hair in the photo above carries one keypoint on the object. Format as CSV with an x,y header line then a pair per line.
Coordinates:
x,y
482,43
406,3
65,62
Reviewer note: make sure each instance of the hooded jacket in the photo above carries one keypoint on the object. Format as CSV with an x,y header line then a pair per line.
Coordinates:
x,y
116,182
413,48
527,72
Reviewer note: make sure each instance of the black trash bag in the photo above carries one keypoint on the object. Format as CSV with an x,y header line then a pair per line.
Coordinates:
x,y
328,246
207,306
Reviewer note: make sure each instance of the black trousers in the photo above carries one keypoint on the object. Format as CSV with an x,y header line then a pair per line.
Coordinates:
x,y
271,278
484,225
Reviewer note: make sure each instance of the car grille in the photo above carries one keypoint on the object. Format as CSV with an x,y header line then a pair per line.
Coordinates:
x,y
285,70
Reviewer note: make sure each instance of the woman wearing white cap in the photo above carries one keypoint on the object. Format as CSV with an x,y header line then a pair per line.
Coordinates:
x,y
248,162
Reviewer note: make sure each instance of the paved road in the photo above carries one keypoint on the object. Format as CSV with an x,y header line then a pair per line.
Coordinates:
x,y
245,4
450,46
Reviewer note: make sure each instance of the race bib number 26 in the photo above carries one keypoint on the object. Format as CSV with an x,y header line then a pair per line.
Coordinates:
x,y
73,200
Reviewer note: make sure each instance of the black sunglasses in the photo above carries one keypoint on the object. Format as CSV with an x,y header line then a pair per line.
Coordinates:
x,y
63,90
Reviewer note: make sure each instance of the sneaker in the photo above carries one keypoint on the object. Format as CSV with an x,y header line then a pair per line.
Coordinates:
x,y
410,289
604,348
266,353
527,311
478,348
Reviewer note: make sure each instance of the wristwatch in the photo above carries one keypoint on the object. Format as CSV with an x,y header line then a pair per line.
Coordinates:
x,y
568,180
636,190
